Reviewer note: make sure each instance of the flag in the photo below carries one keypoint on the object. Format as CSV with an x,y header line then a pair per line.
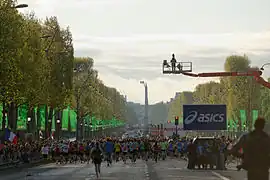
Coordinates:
x,y
11,136
40,134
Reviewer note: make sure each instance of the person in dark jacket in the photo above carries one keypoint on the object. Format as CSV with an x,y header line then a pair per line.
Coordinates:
x,y
96,155
256,152
192,155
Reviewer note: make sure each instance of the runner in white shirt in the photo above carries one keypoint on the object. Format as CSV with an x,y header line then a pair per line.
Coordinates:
x,y
45,151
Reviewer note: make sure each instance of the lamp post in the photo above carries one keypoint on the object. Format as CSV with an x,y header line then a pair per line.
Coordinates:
x,y
266,64
58,128
49,127
86,130
29,124
19,6
81,130
146,123
91,129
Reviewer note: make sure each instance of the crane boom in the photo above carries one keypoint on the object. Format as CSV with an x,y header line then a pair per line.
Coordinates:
x,y
224,74
263,82
185,68
255,74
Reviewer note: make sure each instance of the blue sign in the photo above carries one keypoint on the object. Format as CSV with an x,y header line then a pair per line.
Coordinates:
x,y
205,117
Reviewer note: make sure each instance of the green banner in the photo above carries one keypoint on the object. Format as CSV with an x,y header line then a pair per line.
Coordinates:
x,y
232,125
65,115
1,116
36,118
243,118
22,117
53,121
42,117
255,115
73,120
94,123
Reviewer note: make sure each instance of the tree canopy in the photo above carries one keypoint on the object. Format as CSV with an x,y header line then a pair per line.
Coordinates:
x,y
95,98
38,67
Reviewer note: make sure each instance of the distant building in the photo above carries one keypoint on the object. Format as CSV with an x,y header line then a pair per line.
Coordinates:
x,y
177,94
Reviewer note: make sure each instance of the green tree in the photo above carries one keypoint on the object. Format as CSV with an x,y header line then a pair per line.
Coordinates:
x,y
158,113
265,101
11,50
59,54
176,106
241,90
32,64
95,98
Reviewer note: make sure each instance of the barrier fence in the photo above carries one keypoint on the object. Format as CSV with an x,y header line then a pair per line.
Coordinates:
x,y
12,159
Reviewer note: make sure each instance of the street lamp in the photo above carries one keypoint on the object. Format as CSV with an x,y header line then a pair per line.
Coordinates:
x,y
86,129
49,127
19,6
266,64
28,124
81,131
58,128
145,104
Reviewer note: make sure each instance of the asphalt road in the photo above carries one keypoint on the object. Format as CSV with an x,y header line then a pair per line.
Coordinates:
x,y
170,169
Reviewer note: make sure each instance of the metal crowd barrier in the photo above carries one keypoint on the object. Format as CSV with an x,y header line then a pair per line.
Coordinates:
x,y
17,159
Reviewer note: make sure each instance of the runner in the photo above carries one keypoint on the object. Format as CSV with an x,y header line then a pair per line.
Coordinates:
x,y
96,155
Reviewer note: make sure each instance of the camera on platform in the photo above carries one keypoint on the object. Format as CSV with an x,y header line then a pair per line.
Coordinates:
x,y
174,67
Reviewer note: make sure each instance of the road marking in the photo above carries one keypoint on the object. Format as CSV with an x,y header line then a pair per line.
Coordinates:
x,y
146,172
220,176
175,168
189,177
109,178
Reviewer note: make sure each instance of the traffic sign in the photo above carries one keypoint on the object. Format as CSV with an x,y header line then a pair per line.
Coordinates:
x,y
176,120
205,117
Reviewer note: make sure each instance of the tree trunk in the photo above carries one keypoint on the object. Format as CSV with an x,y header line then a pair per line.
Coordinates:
x,y
33,122
4,116
12,116
50,122
16,117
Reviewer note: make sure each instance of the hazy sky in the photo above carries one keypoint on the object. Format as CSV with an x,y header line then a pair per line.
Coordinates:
x,y
129,39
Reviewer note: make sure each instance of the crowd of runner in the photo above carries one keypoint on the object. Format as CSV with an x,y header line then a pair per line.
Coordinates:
x,y
143,148
200,155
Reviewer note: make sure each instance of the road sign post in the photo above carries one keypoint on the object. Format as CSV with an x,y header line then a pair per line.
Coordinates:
x,y
176,122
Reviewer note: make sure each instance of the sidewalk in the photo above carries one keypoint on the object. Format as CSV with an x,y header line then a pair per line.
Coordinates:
x,y
6,167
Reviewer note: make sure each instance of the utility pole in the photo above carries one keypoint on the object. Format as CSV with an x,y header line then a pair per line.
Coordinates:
x,y
146,121
176,122
78,116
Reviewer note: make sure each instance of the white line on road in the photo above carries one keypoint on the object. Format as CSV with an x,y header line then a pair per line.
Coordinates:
x,y
220,176
104,178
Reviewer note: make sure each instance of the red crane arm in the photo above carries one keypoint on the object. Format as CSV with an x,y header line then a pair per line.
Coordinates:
x,y
255,74
222,74
261,81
